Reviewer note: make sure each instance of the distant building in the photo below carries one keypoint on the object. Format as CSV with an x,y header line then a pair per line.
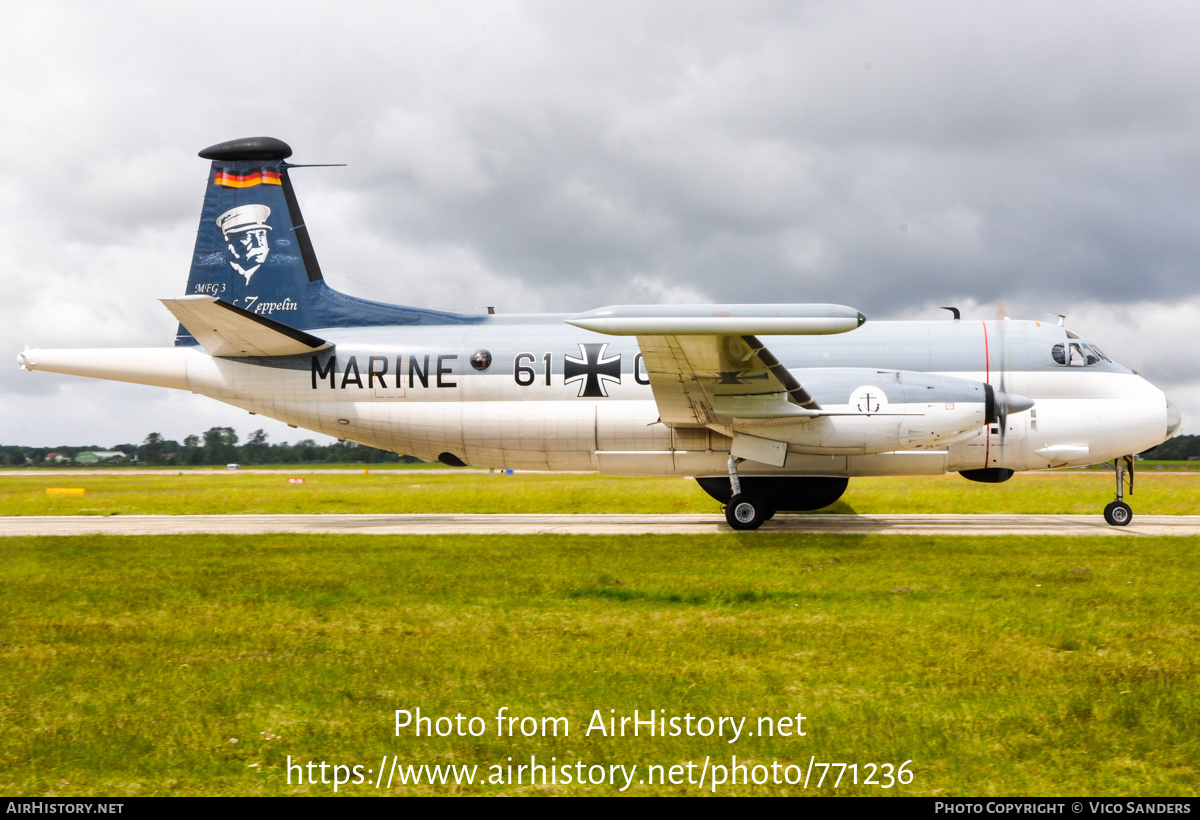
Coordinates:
x,y
56,457
96,456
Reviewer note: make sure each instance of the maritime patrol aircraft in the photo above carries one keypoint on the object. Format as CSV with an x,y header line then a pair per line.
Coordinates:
x,y
770,407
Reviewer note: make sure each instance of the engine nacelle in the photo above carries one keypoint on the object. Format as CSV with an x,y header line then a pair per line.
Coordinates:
x,y
874,411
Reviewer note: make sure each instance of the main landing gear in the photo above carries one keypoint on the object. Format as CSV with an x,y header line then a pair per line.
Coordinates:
x,y
744,511
1118,513
760,497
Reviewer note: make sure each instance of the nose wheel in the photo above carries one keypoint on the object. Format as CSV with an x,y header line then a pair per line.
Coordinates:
x,y
1118,513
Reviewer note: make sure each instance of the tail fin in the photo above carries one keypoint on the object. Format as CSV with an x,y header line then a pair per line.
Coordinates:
x,y
253,250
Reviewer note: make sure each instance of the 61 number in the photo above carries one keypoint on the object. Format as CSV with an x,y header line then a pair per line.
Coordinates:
x,y
523,372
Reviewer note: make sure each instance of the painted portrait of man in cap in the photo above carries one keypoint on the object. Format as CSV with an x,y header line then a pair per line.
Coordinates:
x,y
245,228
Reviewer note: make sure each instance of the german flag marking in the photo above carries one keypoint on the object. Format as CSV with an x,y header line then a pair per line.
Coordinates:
x,y
247,180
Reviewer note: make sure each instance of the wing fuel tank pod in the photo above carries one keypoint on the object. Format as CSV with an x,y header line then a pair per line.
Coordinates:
x,y
719,320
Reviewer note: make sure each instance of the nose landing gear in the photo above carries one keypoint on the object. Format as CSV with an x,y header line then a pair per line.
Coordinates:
x,y
1118,513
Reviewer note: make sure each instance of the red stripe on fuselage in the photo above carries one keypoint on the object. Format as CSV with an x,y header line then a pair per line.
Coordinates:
x,y
987,356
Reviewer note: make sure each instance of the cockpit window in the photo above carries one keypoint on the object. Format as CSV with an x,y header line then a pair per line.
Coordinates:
x,y
1077,354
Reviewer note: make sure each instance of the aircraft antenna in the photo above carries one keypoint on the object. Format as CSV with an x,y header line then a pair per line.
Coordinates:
x,y
954,310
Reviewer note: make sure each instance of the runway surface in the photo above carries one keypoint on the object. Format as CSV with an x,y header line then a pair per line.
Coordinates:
x,y
447,524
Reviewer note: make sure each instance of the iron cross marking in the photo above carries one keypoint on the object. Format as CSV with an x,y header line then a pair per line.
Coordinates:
x,y
590,369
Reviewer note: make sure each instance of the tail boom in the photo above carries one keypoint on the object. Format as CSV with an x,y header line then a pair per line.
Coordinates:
x,y
155,366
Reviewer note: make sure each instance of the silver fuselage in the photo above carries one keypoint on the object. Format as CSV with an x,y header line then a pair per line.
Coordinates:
x,y
414,390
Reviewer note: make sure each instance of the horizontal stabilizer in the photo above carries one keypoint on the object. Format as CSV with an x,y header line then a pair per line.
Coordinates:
x,y
228,331
719,320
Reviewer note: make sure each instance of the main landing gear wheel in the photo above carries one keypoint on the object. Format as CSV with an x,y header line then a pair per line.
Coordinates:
x,y
744,512
1118,513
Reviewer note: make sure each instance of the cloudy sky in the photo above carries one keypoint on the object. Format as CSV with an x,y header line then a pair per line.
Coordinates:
x,y
567,155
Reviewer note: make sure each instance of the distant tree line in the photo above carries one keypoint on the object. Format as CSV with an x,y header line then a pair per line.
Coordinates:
x,y
218,446
1180,448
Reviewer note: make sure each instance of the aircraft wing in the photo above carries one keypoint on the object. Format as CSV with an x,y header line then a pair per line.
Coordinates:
x,y
707,361
225,330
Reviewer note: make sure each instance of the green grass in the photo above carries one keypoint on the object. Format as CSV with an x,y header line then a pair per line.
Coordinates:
x,y
1017,666
400,492
997,665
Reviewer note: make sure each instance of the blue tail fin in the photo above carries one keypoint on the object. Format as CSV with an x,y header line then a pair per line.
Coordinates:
x,y
253,250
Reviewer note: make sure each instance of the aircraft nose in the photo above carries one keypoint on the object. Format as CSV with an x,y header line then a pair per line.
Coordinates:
x,y
1174,419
